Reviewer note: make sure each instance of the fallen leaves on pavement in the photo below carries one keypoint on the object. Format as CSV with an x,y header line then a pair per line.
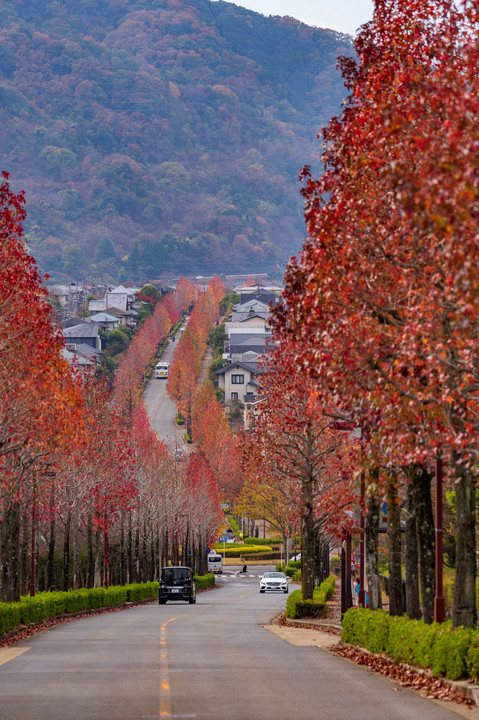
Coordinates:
x,y
404,675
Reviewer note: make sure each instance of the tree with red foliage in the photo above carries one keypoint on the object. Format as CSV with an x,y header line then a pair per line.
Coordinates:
x,y
383,301
185,294
295,448
36,385
202,508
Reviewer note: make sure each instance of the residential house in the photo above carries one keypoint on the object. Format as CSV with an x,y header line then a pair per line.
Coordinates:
x,y
86,333
71,298
82,356
242,342
239,381
105,320
120,299
125,317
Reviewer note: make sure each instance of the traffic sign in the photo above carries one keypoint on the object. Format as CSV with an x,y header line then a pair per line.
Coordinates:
x,y
223,538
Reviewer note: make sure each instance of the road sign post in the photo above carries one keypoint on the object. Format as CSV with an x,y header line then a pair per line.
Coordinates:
x,y
223,539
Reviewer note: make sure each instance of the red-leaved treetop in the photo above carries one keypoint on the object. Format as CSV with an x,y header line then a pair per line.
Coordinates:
x,y
383,301
294,448
38,397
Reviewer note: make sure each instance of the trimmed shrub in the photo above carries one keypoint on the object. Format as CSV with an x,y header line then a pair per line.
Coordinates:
x,y
450,651
262,541
205,581
10,614
141,591
472,659
298,608
446,651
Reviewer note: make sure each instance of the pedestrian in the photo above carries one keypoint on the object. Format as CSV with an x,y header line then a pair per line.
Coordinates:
x,y
356,592
356,588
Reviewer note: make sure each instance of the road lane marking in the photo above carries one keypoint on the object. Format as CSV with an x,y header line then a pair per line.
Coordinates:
x,y
164,709
7,654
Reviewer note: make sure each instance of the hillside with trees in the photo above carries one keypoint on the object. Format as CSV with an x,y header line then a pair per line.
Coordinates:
x,y
166,135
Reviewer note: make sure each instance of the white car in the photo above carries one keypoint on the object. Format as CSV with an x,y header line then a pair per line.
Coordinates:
x,y
273,581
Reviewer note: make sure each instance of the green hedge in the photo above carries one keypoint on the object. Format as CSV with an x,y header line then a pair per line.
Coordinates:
x,y
291,570
297,608
262,541
52,604
205,581
447,651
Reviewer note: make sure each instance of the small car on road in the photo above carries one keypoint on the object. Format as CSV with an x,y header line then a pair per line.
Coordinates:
x,y
177,583
273,581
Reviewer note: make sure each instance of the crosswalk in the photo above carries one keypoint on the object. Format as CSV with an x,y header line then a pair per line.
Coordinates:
x,y
228,577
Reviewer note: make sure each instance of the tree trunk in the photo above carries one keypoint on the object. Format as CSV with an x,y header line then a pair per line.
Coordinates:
x,y
9,555
308,538
24,548
50,570
464,610
66,553
98,559
76,554
372,537
90,562
136,576
144,553
413,608
129,549
394,546
122,549
421,493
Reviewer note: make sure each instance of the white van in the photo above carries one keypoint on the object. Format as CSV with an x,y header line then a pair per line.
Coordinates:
x,y
215,563
161,370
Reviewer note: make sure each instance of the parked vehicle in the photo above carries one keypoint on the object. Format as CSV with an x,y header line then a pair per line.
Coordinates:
x,y
215,563
273,581
177,583
161,370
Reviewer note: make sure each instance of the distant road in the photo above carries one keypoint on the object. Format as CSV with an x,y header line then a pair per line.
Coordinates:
x,y
211,661
161,410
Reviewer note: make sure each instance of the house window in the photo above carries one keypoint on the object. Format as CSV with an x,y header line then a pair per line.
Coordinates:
x,y
237,379
234,396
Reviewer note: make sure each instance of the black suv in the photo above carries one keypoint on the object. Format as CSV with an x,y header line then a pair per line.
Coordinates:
x,y
177,583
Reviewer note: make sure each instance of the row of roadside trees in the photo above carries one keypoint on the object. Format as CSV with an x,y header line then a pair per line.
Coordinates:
x,y
88,494
380,310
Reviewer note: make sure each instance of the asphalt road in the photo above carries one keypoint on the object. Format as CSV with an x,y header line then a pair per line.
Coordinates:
x,y
161,410
213,661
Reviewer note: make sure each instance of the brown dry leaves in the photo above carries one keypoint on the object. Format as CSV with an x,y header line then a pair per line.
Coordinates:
x,y
404,675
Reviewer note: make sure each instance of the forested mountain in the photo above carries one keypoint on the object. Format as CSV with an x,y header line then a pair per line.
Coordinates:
x,y
161,135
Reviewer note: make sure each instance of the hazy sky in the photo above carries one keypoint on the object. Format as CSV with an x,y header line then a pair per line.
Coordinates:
x,y
342,15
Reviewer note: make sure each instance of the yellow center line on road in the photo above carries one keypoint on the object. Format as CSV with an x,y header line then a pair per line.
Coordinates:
x,y
164,709
7,653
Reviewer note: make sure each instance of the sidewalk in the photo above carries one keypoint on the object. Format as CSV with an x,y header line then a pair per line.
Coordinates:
x,y
461,696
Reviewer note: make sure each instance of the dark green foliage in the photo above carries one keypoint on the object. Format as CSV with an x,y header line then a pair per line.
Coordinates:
x,y
205,581
447,652
149,293
473,660
182,129
216,339
296,608
450,651
214,365
228,301
115,342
